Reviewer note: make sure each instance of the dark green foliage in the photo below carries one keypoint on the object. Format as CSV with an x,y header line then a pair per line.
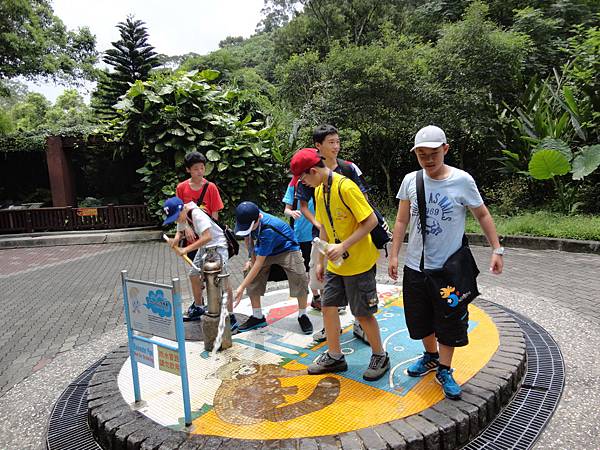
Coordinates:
x,y
35,43
172,115
132,58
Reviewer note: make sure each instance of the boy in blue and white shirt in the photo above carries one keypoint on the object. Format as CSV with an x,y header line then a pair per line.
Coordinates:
x,y
449,192
209,236
303,230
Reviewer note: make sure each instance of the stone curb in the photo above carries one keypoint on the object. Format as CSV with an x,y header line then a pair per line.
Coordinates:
x,y
80,238
540,243
446,425
139,235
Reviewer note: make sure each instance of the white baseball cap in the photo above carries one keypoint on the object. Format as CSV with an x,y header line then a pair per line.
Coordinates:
x,y
429,136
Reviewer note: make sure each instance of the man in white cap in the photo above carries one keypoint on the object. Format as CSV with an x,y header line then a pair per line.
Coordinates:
x,y
449,192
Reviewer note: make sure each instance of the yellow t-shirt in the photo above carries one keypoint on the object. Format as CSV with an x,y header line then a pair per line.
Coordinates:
x,y
363,254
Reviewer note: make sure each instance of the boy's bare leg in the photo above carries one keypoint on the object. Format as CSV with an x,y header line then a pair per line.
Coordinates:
x,y
255,301
302,301
196,283
430,343
446,354
331,323
371,327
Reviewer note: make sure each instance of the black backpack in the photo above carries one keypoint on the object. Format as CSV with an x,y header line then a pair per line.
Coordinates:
x,y
380,235
348,171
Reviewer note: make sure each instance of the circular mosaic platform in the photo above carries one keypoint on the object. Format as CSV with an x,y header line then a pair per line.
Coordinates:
x,y
257,393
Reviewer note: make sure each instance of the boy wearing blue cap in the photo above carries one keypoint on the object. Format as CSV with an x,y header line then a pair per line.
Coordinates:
x,y
210,236
275,243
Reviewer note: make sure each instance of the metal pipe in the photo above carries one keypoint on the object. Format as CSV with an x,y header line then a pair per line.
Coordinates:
x,y
215,318
211,269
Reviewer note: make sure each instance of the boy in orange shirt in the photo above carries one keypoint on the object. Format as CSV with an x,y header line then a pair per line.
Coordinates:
x,y
205,194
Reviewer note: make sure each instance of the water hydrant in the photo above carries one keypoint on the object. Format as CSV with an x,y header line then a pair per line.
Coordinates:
x,y
213,282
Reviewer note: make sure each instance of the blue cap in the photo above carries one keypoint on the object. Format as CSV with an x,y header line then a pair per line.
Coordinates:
x,y
172,208
246,215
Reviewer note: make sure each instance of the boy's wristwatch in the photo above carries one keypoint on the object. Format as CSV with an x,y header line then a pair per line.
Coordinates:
x,y
498,251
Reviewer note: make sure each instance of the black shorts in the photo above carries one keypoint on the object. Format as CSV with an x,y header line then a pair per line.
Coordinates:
x,y
426,315
305,248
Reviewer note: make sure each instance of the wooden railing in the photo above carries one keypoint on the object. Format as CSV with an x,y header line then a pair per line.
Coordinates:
x,y
69,219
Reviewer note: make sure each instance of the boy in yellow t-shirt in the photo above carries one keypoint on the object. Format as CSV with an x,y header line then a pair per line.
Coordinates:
x,y
346,224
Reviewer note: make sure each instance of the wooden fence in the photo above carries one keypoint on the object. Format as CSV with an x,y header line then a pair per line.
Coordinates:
x,y
69,219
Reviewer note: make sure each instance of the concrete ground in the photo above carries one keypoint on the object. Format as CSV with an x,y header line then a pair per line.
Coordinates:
x,y
62,310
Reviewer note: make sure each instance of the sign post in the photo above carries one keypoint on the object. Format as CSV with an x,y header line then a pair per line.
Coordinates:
x,y
155,309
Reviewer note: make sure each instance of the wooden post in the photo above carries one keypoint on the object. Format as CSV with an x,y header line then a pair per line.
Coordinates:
x,y
60,173
111,216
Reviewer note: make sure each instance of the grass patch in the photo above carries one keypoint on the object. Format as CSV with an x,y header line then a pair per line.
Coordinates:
x,y
545,224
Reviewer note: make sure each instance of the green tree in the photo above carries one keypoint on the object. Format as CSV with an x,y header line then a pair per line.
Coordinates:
x,y
35,43
69,111
132,58
582,73
30,114
167,117
473,67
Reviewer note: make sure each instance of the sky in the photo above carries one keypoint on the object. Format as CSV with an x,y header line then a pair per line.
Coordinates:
x,y
175,27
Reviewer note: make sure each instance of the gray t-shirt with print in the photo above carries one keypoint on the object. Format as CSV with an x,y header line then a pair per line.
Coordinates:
x,y
446,201
201,222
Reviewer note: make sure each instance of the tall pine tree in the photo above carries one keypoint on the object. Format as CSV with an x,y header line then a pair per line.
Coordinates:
x,y
132,58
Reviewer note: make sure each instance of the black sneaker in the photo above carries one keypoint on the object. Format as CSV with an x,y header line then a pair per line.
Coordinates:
x,y
233,323
305,324
195,312
253,323
326,364
378,366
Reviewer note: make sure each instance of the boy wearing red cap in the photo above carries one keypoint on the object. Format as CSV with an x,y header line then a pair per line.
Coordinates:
x,y
347,219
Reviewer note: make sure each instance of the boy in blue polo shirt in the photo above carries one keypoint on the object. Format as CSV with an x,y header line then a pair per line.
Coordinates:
x,y
303,230
275,243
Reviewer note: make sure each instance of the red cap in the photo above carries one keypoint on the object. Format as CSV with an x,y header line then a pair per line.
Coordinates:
x,y
304,159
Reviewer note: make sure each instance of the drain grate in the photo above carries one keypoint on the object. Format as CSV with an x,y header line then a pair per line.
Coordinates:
x,y
519,425
68,428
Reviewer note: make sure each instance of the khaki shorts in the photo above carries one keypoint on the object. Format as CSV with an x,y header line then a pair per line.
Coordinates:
x,y
293,265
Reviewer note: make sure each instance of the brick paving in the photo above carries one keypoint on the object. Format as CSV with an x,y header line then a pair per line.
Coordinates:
x,y
55,299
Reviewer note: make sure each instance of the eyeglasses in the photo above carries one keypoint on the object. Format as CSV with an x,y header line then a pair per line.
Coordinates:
x,y
304,175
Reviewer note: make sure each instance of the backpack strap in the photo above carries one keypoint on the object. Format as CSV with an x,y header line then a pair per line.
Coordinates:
x,y
280,233
349,172
340,193
422,215
203,193
294,202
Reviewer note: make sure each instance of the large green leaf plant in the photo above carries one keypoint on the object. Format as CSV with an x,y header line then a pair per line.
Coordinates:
x,y
169,116
553,159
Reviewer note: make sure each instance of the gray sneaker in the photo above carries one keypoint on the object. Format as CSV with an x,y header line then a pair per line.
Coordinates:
x,y
359,332
326,364
320,336
378,366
